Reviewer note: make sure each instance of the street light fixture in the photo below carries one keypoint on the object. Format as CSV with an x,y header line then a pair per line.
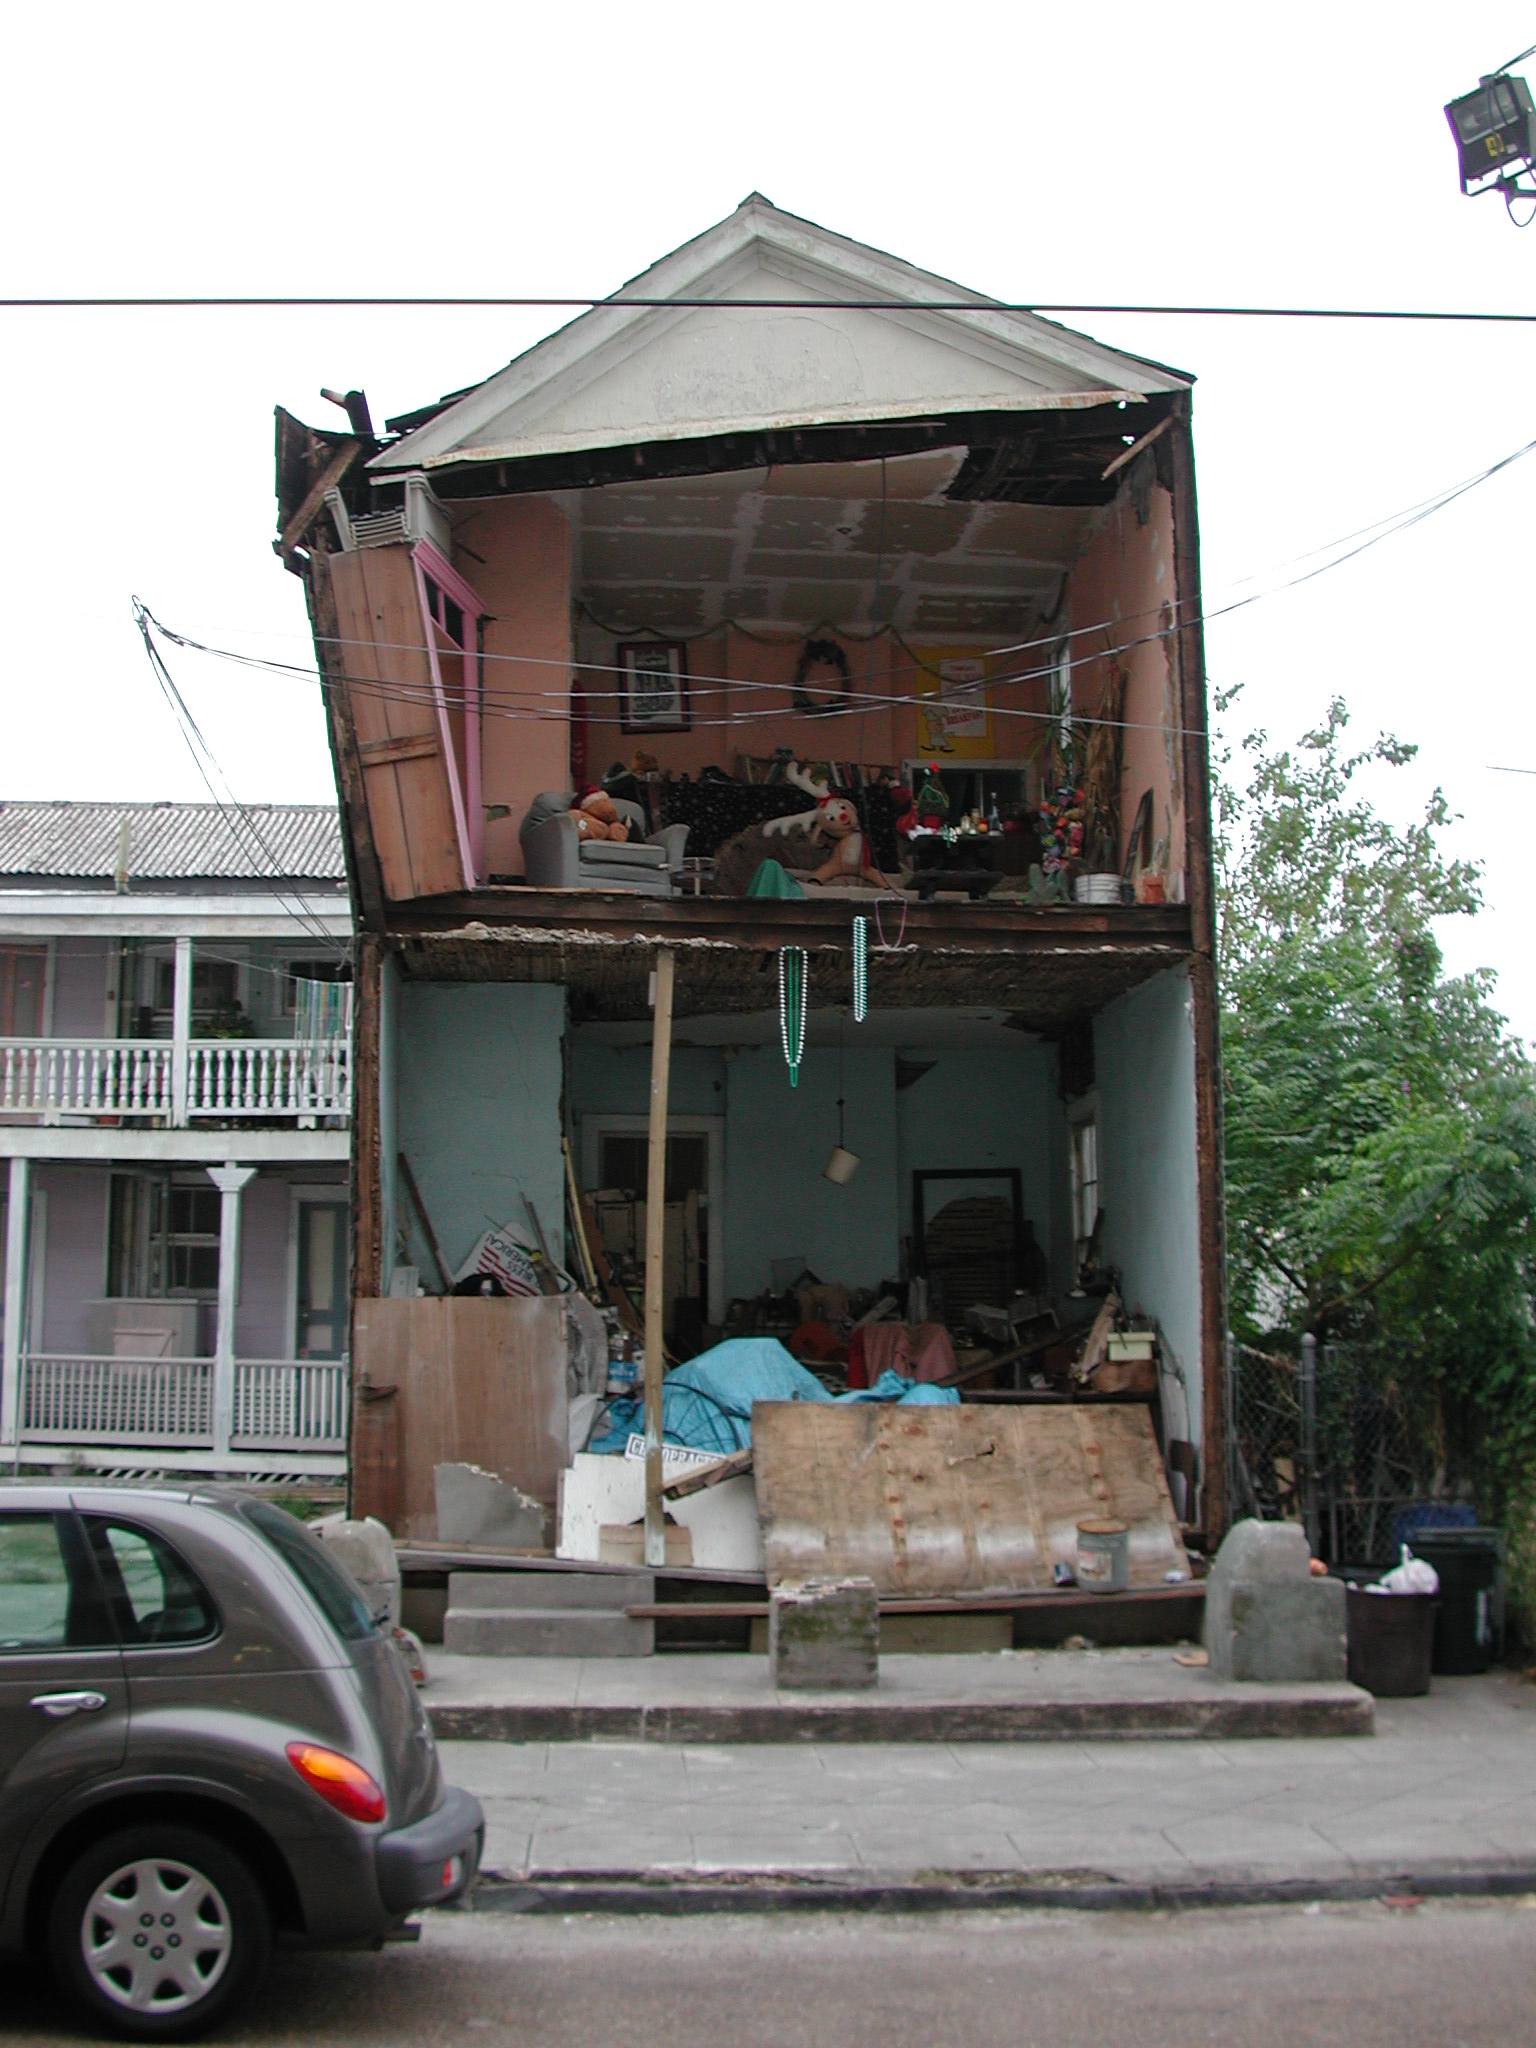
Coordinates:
x,y
1495,131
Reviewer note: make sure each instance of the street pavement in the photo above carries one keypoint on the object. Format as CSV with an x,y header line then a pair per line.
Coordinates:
x,y
1369,1975
1447,1781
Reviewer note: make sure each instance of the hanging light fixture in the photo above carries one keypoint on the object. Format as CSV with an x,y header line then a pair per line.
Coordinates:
x,y
843,1164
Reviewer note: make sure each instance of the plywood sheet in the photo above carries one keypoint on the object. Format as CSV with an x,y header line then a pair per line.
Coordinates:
x,y
476,1380
383,658
955,1500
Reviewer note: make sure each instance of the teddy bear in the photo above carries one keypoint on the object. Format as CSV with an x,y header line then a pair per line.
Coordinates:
x,y
597,817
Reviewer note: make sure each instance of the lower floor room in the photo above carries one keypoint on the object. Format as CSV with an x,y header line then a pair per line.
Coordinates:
x,y
940,1192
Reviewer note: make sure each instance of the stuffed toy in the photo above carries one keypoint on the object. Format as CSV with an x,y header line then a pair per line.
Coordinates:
x,y
597,817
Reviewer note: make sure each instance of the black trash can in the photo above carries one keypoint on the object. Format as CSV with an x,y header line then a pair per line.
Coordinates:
x,y
1390,1638
1467,1626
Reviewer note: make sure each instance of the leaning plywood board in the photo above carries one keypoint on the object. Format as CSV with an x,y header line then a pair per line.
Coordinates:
x,y
407,772
476,1381
929,1500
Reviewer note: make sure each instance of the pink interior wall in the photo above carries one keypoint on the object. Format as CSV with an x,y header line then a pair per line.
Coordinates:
x,y
750,713
1120,595
517,554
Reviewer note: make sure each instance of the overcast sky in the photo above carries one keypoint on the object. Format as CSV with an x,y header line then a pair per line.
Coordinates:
x,y
1194,154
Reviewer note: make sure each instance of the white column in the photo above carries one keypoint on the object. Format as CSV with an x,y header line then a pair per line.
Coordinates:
x,y
181,1030
16,1217
229,1180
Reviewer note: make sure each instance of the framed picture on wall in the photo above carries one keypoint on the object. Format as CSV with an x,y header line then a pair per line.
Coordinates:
x,y
653,685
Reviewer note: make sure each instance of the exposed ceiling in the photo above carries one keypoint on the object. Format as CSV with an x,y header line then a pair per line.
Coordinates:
x,y
973,1030
851,544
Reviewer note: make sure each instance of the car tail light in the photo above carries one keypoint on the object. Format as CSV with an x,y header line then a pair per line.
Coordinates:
x,y
340,1782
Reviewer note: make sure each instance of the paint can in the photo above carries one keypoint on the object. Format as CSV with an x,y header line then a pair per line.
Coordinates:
x,y
1103,1555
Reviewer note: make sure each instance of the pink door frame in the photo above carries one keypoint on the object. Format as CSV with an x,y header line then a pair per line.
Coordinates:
x,y
468,806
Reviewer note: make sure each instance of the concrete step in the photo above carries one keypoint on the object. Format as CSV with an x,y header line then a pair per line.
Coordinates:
x,y
560,1592
545,1632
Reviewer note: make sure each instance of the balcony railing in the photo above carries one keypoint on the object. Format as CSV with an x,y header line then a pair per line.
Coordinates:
x,y
168,1403
269,1077
52,1079
93,1077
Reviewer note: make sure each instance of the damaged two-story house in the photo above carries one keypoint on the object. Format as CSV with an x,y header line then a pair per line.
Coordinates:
x,y
808,618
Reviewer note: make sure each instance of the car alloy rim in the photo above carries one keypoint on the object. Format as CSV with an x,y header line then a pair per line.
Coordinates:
x,y
156,1936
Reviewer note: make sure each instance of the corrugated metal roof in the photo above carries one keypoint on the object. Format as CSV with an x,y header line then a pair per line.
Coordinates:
x,y
173,842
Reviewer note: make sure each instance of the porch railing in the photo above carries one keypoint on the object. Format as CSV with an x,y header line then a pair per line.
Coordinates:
x,y
94,1077
269,1077
279,1404
53,1078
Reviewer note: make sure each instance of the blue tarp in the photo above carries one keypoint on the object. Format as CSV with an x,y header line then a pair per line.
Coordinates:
x,y
707,1403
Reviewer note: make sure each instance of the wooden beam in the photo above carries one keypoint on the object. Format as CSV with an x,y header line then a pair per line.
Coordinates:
x,y
314,498
655,1243
425,1221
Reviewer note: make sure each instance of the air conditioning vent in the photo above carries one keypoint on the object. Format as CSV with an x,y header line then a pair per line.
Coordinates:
x,y
421,517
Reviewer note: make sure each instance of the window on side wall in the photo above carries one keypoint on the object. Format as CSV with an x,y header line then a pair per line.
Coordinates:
x,y
1060,694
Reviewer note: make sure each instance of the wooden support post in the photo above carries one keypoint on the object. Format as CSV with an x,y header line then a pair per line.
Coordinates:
x,y
655,1241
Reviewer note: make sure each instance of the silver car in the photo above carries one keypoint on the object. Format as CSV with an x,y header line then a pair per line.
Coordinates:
x,y
205,1744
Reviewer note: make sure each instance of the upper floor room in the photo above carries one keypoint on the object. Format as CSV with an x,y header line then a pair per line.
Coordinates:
x,y
790,569
164,964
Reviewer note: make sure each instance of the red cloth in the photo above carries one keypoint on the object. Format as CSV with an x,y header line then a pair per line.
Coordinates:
x,y
921,1354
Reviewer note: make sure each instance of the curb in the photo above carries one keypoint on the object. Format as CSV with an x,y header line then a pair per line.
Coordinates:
x,y
681,1894
1218,1720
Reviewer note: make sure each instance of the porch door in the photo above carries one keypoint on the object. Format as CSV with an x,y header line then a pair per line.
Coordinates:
x,y
321,1306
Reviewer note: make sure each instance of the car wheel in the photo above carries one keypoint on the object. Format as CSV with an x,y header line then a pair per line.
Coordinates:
x,y
158,1932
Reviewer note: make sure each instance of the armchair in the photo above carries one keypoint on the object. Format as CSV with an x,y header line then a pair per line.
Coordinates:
x,y
557,857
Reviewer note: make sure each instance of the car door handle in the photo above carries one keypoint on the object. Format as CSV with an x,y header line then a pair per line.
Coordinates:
x,y
58,1706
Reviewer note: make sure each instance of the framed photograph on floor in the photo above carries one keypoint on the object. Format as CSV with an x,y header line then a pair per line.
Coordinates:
x,y
653,685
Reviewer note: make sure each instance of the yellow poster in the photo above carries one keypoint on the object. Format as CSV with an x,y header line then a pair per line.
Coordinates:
x,y
954,718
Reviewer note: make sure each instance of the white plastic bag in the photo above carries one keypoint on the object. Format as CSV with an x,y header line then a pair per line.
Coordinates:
x,y
1412,1575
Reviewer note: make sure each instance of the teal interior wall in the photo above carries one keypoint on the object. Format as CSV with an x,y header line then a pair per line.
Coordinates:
x,y
777,1140
478,1084
616,1080
1144,1059
989,1109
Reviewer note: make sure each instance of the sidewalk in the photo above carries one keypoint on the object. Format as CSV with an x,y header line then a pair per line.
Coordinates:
x,y
1002,1697
1443,1798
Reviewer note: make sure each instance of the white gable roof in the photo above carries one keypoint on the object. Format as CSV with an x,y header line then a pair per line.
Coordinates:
x,y
622,374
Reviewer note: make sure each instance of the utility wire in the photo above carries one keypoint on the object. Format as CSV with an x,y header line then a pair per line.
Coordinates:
x,y
199,749
853,703
128,302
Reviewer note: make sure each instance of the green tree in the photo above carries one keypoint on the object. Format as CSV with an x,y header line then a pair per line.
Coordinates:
x,y
1380,1119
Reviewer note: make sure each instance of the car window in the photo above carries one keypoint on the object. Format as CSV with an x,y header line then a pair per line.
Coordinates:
x,y
155,1596
43,1604
327,1585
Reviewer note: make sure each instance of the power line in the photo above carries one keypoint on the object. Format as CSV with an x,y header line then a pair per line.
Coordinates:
x,y
198,747
849,703
364,302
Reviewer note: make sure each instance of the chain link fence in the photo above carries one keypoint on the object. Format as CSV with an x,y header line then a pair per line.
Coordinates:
x,y
1331,1440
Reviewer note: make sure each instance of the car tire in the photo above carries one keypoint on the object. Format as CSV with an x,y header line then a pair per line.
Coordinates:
x,y
159,1932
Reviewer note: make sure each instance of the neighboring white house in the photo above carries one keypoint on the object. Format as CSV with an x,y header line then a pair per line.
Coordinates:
x,y
175,1107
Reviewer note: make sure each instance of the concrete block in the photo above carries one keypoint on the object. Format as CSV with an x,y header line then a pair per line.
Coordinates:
x,y
824,1635
474,1506
538,1592
367,1550
1266,1618
546,1632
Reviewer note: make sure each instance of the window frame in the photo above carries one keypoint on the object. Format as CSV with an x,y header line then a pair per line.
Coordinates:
x,y
85,1587
121,1613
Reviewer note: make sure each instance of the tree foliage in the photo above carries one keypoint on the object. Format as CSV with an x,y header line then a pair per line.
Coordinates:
x,y
1380,1119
